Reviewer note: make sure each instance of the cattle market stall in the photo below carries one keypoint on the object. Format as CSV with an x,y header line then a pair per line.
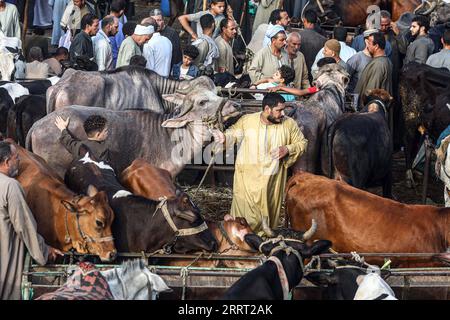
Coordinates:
x,y
210,283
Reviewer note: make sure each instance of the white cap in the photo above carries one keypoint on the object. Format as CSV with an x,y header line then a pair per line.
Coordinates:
x,y
142,30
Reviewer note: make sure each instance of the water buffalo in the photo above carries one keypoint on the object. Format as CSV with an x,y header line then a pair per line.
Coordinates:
x,y
167,141
315,116
141,224
360,145
128,87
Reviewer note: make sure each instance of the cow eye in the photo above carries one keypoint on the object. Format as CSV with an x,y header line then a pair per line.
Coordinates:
x,y
202,102
99,224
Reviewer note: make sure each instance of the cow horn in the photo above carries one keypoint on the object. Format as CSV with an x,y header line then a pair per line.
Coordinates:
x,y
183,90
432,7
332,263
308,234
266,228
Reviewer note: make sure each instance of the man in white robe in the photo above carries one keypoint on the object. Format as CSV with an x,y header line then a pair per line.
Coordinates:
x,y
9,20
17,227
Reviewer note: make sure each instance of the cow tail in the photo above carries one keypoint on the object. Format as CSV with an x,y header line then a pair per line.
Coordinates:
x,y
19,127
287,217
330,139
28,145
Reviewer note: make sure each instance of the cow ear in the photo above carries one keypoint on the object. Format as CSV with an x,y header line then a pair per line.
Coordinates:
x,y
69,206
176,98
92,190
321,279
174,123
254,241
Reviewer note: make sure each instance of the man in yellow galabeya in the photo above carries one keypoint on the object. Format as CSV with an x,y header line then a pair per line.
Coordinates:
x,y
269,144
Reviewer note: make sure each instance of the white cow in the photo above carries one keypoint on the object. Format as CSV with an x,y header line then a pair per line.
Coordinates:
x,y
10,48
443,167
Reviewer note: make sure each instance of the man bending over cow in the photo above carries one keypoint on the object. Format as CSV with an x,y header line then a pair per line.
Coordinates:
x,y
269,144
96,130
17,227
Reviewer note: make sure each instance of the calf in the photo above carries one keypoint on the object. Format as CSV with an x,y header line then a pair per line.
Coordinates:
x,y
360,145
66,220
280,274
355,220
142,224
27,110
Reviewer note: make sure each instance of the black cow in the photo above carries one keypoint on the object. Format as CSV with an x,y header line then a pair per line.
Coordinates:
x,y
424,93
6,103
35,86
27,110
342,279
263,283
141,224
361,145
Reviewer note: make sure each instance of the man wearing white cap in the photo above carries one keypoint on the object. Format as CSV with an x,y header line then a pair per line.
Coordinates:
x,y
131,46
267,60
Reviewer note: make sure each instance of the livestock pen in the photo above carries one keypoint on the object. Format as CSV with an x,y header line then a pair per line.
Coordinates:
x,y
192,283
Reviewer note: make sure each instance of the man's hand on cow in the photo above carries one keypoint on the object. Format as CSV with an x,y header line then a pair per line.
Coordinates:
x,y
218,135
61,123
53,253
279,153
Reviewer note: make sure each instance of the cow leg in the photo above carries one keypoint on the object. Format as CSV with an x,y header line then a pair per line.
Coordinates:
x,y
426,170
387,185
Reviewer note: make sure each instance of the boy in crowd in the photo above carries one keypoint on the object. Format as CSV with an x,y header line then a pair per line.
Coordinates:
x,y
282,77
96,130
186,70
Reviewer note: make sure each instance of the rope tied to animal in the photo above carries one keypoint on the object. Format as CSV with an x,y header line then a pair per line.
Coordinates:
x,y
184,273
282,246
86,238
162,206
225,236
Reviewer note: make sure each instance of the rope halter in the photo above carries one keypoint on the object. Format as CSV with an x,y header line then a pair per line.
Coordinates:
x,y
178,232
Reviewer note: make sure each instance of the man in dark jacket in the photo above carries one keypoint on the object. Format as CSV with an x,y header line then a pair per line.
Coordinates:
x,y
312,41
96,130
82,44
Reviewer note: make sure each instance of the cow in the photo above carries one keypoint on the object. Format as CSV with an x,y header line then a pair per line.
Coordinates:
x,y
6,103
355,220
276,277
360,145
424,93
443,167
141,224
128,87
27,110
146,180
315,116
350,280
167,141
65,219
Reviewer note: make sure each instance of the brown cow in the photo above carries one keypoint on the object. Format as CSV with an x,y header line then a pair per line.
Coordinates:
x,y
355,220
66,220
148,181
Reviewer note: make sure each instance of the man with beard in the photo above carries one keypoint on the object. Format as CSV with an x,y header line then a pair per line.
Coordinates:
x,y
422,46
269,143
378,73
17,227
